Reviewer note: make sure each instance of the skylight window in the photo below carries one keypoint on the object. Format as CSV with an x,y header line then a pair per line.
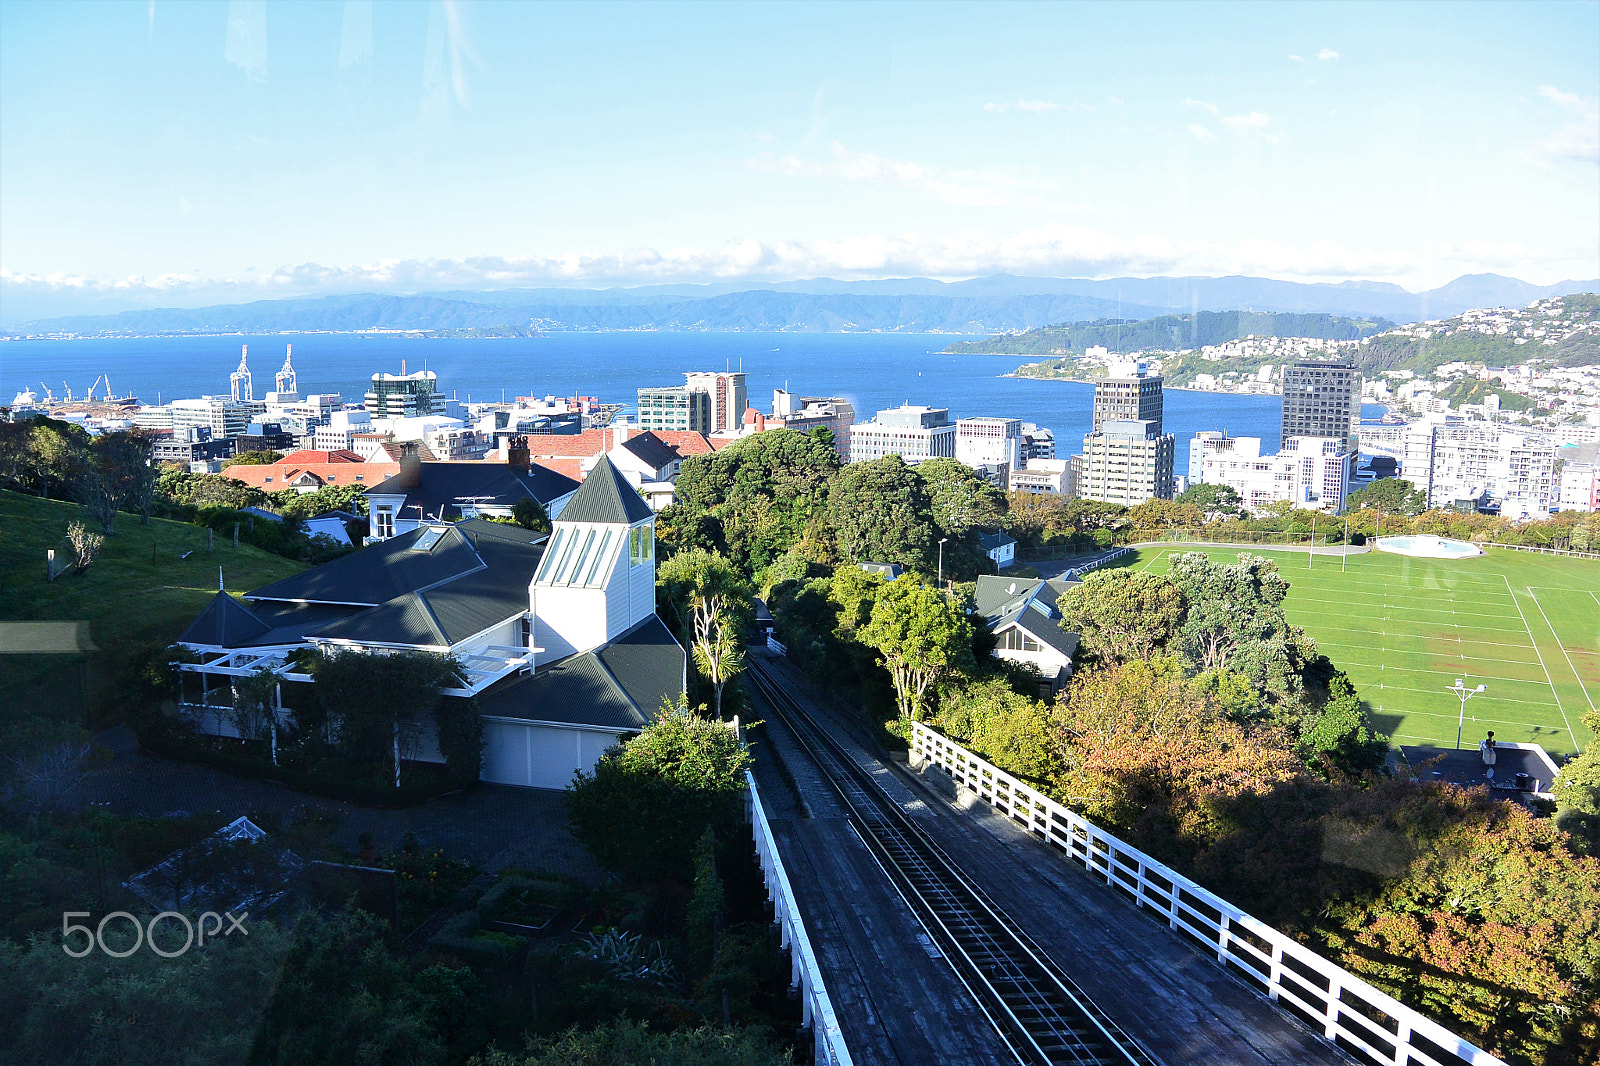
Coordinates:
x,y
579,557
430,536
550,555
600,555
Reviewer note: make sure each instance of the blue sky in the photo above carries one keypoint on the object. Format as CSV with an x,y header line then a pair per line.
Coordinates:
x,y
156,152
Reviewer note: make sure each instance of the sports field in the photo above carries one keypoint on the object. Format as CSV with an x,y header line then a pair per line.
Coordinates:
x,y
1524,625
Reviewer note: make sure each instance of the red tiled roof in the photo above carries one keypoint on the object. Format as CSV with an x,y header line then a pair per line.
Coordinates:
x,y
570,465
307,456
279,476
687,441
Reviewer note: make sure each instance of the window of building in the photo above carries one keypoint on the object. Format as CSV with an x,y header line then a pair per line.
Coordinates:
x,y
385,522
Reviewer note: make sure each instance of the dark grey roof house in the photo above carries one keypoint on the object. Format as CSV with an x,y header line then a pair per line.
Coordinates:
x,y
450,491
1022,614
558,640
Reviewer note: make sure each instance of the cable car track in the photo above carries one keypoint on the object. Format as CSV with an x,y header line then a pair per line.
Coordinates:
x,y
1040,1012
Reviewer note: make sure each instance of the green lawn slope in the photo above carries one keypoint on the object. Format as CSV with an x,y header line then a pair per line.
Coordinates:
x,y
139,592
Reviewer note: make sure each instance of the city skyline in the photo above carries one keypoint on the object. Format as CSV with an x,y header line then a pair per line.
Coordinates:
x,y
158,154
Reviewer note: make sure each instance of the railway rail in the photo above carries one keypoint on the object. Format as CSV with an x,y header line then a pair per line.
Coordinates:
x,y
1037,1009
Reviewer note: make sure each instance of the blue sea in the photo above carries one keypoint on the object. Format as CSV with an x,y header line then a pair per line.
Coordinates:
x,y
872,370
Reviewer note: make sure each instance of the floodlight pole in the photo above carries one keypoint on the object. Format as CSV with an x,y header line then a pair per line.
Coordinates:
x,y
941,560
1312,547
1464,694
1344,559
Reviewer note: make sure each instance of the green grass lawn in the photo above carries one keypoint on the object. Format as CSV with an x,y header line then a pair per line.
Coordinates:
x,y
138,592
1525,625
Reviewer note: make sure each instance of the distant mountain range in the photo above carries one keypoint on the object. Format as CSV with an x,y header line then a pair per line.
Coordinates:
x,y
1175,332
995,304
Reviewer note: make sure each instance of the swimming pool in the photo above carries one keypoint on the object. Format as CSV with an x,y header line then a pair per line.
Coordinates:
x,y
1427,546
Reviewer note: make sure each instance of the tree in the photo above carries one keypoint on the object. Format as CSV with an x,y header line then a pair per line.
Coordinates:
x,y
1235,620
255,458
1577,791
381,701
53,451
255,706
85,546
752,500
1218,502
1165,514
961,500
921,637
647,801
1009,729
711,601
108,474
1124,614
530,514
626,1041
1388,496
343,996
292,504
1339,739
881,513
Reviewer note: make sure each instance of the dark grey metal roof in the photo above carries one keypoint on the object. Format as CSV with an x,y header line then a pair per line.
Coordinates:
x,y
225,623
605,497
619,686
649,665
1042,629
991,541
403,620
996,597
379,572
441,486
652,450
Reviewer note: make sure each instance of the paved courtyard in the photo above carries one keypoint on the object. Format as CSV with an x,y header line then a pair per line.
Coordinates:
x,y
490,826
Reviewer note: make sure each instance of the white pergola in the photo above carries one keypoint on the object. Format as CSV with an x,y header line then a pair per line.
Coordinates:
x,y
478,670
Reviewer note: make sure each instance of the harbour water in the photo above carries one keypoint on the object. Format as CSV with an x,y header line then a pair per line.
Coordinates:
x,y
872,370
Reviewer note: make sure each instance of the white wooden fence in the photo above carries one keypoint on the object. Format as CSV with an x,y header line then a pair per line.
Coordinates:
x,y
816,1007
1365,1022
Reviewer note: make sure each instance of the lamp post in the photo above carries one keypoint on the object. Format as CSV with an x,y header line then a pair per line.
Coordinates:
x,y
941,560
1464,694
1345,557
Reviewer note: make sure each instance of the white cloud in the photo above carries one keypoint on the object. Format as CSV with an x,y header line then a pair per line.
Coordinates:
x,y
1058,250
1114,100
973,188
1037,107
762,136
1296,59
1577,141
1327,54
1201,133
1256,122
1554,95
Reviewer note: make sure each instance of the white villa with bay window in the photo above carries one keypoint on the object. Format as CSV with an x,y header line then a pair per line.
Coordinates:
x,y
560,643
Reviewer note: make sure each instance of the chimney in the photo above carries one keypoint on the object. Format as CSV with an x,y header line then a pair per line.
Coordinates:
x,y
517,452
410,465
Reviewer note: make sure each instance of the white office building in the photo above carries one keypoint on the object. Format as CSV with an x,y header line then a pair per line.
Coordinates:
x,y
912,432
989,444
1310,472
1128,461
1050,477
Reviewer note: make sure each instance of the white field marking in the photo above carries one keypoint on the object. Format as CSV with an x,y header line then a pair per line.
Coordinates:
x,y
1440,691
1458,640
1441,674
1367,608
1537,652
1384,587
1464,657
1581,686
1154,559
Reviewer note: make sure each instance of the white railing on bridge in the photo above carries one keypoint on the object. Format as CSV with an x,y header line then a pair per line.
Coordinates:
x,y
774,647
816,1007
1359,1018
1105,560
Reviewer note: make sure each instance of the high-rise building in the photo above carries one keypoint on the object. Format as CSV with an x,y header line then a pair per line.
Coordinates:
x,y
913,433
405,395
675,407
222,415
729,397
1321,400
1128,461
1128,393
805,413
991,444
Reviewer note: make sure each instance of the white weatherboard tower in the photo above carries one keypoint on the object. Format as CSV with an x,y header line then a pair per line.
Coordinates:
x,y
598,576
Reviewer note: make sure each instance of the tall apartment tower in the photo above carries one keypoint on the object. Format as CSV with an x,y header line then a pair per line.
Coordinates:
x,y
1128,393
1321,400
1127,462
729,397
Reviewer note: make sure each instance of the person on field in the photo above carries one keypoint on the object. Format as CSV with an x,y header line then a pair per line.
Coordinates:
x,y
1486,749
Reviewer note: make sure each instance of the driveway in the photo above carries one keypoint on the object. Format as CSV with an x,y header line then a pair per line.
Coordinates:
x,y
489,826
